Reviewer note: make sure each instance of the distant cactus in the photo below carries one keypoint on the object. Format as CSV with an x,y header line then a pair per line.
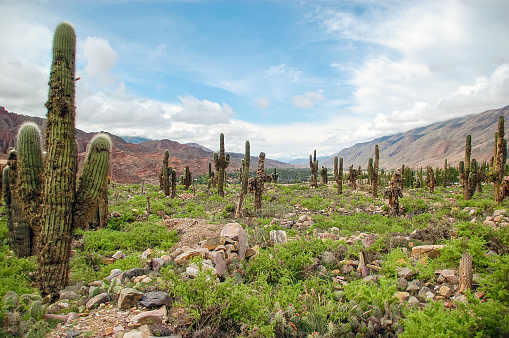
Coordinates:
x,y
165,174
397,178
275,176
221,161
444,175
500,159
173,183
338,174
187,179
373,172
465,173
323,175
53,212
256,184
430,180
393,193
353,175
210,180
313,165
244,178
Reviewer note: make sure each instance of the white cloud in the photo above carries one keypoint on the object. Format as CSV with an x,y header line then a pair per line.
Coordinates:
x,y
263,102
309,99
196,111
100,59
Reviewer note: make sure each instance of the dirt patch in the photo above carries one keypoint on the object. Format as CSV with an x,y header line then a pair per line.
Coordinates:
x,y
192,230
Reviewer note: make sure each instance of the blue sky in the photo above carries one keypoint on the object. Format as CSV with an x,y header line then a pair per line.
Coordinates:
x,y
289,76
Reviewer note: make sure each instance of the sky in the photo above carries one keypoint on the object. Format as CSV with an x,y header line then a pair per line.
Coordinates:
x,y
289,76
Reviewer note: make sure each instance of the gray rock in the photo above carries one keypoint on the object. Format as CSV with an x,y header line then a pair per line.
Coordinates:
x,y
413,300
327,257
402,283
157,263
278,236
413,287
128,297
68,295
423,293
99,299
114,273
406,273
155,298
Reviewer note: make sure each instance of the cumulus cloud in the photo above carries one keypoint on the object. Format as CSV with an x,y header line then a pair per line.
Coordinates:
x,y
309,99
196,111
100,58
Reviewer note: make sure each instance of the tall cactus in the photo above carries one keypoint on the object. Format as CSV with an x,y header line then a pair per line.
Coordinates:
x,y
244,178
173,182
187,178
210,180
323,175
275,176
257,184
467,193
222,161
500,158
58,206
313,165
444,175
338,174
165,174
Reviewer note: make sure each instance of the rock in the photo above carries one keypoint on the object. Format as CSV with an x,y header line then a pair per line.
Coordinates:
x,y
157,264
134,334
402,283
346,269
278,236
327,257
479,294
490,223
431,251
114,273
149,317
185,257
252,252
219,263
402,296
72,316
500,212
192,271
213,243
302,218
146,253
128,297
131,273
369,240
68,295
414,286
406,273
448,276
413,300
461,299
155,298
371,278
99,299
422,294
445,291
118,255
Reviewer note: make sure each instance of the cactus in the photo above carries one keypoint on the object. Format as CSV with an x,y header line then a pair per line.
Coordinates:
x,y
173,182
244,178
187,179
323,174
338,174
20,232
165,174
393,193
430,180
256,185
210,180
275,176
57,207
444,175
352,177
466,273
221,161
373,172
465,170
500,159
313,165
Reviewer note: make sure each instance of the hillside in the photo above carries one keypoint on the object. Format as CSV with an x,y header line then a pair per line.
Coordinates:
x,y
132,163
430,145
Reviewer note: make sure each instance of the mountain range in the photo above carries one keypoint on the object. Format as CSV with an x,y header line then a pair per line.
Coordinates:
x,y
430,145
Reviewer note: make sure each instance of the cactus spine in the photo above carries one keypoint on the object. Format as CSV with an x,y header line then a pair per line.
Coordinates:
x,y
338,174
221,162
244,178
62,207
313,165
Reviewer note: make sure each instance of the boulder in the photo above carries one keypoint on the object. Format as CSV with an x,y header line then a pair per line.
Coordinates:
x,y
278,236
99,299
128,297
155,298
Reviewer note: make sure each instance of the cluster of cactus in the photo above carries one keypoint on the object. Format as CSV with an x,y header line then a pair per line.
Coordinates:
x,y
373,172
323,175
338,174
221,161
237,270
244,175
313,165
352,177
53,202
186,178
24,315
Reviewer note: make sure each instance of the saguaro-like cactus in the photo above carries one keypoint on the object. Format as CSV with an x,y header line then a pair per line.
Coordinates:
x,y
187,179
258,182
393,194
338,174
444,175
244,178
466,273
313,165
323,175
275,176
173,183
221,161
352,177
59,206
500,159
467,192
165,174
210,181
374,181
430,180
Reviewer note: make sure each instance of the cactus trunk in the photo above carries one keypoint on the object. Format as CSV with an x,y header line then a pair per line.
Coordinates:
x,y
222,161
338,174
244,178
313,166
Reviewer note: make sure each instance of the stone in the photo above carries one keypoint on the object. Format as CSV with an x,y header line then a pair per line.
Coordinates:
x,y
422,294
149,317
146,253
500,212
155,298
490,223
252,252
327,257
413,300
134,334
432,251
114,273
406,273
461,299
128,297
219,263
414,286
448,276
213,243
99,299
157,264
402,283
68,295
369,240
346,269
185,257
192,271
72,316
278,236
445,291
118,255
371,278
479,294
401,295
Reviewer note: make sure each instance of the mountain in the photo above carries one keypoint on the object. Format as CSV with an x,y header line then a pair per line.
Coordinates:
x,y
430,145
134,139
132,163
305,161
196,145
